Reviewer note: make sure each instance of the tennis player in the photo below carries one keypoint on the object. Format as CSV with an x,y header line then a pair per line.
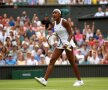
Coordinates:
x,y
63,29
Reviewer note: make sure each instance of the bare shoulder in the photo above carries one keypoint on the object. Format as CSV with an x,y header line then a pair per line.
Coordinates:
x,y
65,23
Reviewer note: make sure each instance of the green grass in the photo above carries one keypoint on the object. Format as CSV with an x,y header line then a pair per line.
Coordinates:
x,y
55,84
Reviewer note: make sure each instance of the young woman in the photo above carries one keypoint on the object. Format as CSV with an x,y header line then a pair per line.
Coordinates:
x,y
63,29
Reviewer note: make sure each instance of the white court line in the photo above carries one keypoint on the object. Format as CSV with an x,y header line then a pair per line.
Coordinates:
x,y
16,89
25,89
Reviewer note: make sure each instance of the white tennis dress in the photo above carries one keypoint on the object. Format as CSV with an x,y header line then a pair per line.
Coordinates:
x,y
62,34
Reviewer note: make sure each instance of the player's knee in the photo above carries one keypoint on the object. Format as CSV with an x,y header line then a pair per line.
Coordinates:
x,y
52,61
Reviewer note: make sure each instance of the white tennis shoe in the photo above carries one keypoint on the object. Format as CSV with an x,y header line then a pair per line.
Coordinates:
x,y
78,83
41,80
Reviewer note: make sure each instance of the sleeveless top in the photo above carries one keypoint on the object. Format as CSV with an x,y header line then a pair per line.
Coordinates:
x,y
62,33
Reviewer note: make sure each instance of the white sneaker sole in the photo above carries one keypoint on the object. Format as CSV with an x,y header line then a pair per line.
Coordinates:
x,y
37,79
78,85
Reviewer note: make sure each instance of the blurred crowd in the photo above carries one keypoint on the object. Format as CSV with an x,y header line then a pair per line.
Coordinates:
x,y
82,2
61,2
101,13
23,2
23,41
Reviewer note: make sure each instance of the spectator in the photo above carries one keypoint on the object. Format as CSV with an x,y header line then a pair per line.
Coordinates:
x,y
24,47
20,59
30,59
104,49
2,34
1,46
73,2
86,58
36,47
1,28
80,2
4,52
103,2
46,22
14,1
99,12
101,40
62,2
41,2
12,36
15,51
70,22
94,59
37,56
64,59
21,33
26,26
85,62
34,17
10,60
18,22
5,19
94,47
32,2
2,62
80,58
106,11
8,43
34,62
105,59
45,46
11,21
88,31
78,37
30,32
8,2
87,1
84,49
42,60
36,20
48,57
31,45
91,42
96,35
24,17
58,61
100,54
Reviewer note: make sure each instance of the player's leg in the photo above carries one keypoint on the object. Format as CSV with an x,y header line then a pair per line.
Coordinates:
x,y
71,59
55,56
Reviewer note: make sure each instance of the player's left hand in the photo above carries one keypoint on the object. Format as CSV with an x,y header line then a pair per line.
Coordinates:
x,y
65,45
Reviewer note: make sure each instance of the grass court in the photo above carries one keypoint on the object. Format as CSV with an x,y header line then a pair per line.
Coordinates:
x,y
55,84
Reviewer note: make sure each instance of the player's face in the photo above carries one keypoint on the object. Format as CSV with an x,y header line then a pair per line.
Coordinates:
x,y
56,15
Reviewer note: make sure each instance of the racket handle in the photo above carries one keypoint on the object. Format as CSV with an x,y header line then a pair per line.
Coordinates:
x,y
68,48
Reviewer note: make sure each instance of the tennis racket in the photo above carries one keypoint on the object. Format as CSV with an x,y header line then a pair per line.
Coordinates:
x,y
54,40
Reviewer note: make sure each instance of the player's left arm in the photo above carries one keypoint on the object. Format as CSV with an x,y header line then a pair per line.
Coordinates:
x,y
68,28
51,25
